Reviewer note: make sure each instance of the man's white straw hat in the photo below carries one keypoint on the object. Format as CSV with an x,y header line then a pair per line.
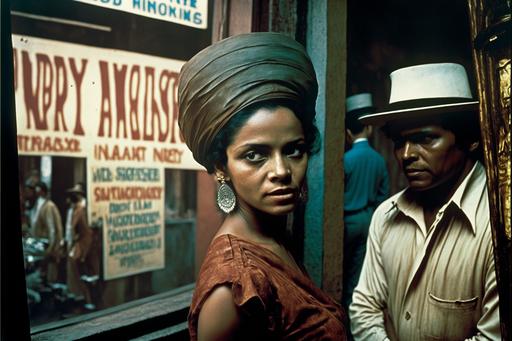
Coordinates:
x,y
424,90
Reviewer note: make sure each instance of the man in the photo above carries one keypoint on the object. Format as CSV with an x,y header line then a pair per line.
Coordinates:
x,y
429,267
45,222
78,244
366,187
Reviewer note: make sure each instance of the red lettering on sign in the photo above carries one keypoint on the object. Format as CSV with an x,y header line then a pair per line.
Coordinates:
x,y
134,100
120,79
105,111
49,144
51,82
44,64
117,153
31,95
78,76
152,107
168,155
165,80
61,92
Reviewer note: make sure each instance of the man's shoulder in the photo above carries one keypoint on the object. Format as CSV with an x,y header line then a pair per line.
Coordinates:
x,y
365,151
79,209
371,152
49,205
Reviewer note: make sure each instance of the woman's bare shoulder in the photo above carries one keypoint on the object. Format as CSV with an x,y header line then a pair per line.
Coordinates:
x,y
219,318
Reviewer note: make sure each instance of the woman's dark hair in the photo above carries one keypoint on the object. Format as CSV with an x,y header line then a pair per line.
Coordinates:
x,y
217,152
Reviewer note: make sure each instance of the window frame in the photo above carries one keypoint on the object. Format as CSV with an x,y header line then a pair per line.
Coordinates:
x,y
153,317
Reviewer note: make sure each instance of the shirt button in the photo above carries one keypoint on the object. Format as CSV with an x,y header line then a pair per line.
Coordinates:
x,y
407,315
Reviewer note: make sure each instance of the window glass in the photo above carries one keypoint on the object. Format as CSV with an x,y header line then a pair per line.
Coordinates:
x,y
107,186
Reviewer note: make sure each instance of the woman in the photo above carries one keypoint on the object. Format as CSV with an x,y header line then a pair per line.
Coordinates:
x,y
247,107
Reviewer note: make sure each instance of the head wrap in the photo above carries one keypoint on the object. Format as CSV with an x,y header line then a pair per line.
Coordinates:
x,y
236,72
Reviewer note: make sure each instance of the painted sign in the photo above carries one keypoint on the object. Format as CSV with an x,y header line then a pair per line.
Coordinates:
x,y
193,13
118,110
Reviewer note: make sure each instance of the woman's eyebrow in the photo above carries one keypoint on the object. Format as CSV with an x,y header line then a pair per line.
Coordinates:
x,y
249,146
254,145
300,139
266,145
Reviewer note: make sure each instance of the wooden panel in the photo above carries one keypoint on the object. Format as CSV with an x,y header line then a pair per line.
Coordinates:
x,y
135,319
336,56
240,16
491,29
323,249
208,215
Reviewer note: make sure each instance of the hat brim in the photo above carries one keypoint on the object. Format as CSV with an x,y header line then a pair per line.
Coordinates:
x,y
382,118
73,190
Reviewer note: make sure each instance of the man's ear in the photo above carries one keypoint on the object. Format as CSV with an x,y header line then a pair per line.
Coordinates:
x,y
350,136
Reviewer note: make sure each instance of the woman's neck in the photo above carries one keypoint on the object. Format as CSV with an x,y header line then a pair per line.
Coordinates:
x,y
255,226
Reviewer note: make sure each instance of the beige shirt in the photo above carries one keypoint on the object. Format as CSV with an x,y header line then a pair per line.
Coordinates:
x,y
432,283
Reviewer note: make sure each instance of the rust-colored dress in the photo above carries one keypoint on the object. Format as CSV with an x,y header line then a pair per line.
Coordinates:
x,y
277,301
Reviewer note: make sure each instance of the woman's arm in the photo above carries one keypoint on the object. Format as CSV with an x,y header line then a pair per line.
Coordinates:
x,y
219,318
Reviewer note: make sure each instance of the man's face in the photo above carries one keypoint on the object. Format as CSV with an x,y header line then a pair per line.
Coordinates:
x,y
428,155
29,195
74,198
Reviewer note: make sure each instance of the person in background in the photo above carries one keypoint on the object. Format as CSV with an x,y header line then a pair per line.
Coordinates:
x,y
27,200
429,269
247,109
44,222
366,187
78,240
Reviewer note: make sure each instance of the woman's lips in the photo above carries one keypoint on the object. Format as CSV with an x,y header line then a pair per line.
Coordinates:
x,y
282,193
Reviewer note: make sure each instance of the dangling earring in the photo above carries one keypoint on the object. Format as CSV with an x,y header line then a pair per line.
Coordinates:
x,y
226,199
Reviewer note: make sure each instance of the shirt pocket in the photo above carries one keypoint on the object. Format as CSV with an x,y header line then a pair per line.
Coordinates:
x,y
448,319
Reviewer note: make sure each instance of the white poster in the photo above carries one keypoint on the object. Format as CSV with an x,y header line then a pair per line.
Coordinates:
x,y
193,13
118,110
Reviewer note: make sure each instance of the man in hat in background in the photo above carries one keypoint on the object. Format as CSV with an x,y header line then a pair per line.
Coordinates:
x,y
429,269
44,222
79,236
366,187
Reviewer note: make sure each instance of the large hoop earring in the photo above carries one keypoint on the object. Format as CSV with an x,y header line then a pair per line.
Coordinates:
x,y
226,199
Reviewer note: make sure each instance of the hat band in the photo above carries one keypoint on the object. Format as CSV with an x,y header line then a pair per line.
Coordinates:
x,y
426,102
360,112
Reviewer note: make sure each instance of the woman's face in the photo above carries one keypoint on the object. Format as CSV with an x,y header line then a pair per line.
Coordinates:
x,y
267,162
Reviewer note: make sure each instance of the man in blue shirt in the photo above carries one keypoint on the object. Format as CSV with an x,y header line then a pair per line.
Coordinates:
x,y
366,186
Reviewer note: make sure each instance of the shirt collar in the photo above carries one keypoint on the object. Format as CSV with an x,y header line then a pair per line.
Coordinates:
x,y
40,202
469,193
466,198
360,139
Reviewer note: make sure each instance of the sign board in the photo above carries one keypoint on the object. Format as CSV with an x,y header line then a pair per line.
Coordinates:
x,y
118,110
193,13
